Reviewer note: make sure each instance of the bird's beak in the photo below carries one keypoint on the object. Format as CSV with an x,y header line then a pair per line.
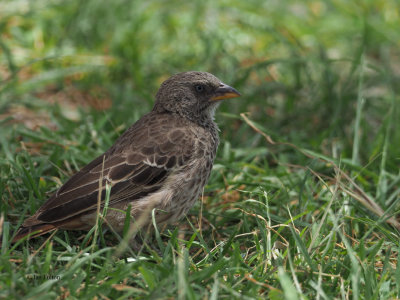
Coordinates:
x,y
225,91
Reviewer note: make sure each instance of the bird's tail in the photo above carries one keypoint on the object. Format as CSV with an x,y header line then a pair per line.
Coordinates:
x,y
32,231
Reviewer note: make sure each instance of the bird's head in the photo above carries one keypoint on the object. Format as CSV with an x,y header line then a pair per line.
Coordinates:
x,y
193,95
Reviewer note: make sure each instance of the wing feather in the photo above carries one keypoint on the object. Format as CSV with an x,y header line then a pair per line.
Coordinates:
x,y
135,167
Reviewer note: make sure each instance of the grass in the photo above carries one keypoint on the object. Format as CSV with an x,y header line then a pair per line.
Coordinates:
x,y
303,199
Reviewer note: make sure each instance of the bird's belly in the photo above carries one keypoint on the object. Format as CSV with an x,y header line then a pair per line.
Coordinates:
x,y
169,204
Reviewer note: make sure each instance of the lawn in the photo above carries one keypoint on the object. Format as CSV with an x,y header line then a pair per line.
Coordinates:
x,y
304,196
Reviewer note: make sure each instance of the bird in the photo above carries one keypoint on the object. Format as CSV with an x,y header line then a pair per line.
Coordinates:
x,y
157,167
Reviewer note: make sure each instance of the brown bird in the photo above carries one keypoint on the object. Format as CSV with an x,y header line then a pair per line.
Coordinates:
x,y
161,162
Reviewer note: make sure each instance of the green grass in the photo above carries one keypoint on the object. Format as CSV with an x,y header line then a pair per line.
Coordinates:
x,y
304,195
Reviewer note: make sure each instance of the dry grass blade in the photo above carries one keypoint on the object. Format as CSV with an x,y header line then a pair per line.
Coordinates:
x,y
354,191
358,194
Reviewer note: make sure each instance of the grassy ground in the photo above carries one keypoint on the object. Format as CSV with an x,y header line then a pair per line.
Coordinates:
x,y
303,199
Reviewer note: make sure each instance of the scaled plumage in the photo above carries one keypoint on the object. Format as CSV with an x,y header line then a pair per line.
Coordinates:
x,y
161,162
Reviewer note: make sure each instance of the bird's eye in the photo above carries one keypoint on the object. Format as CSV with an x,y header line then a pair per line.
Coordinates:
x,y
199,88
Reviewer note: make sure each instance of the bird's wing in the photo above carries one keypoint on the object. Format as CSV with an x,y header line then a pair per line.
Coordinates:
x,y
136,166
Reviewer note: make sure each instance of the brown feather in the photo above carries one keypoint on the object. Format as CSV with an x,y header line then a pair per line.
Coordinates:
x,y
162,161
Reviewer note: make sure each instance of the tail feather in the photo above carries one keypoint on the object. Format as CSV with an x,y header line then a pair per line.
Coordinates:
x,y
33,231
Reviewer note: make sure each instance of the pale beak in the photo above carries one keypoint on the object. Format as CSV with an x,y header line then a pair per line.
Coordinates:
x,y
225,91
